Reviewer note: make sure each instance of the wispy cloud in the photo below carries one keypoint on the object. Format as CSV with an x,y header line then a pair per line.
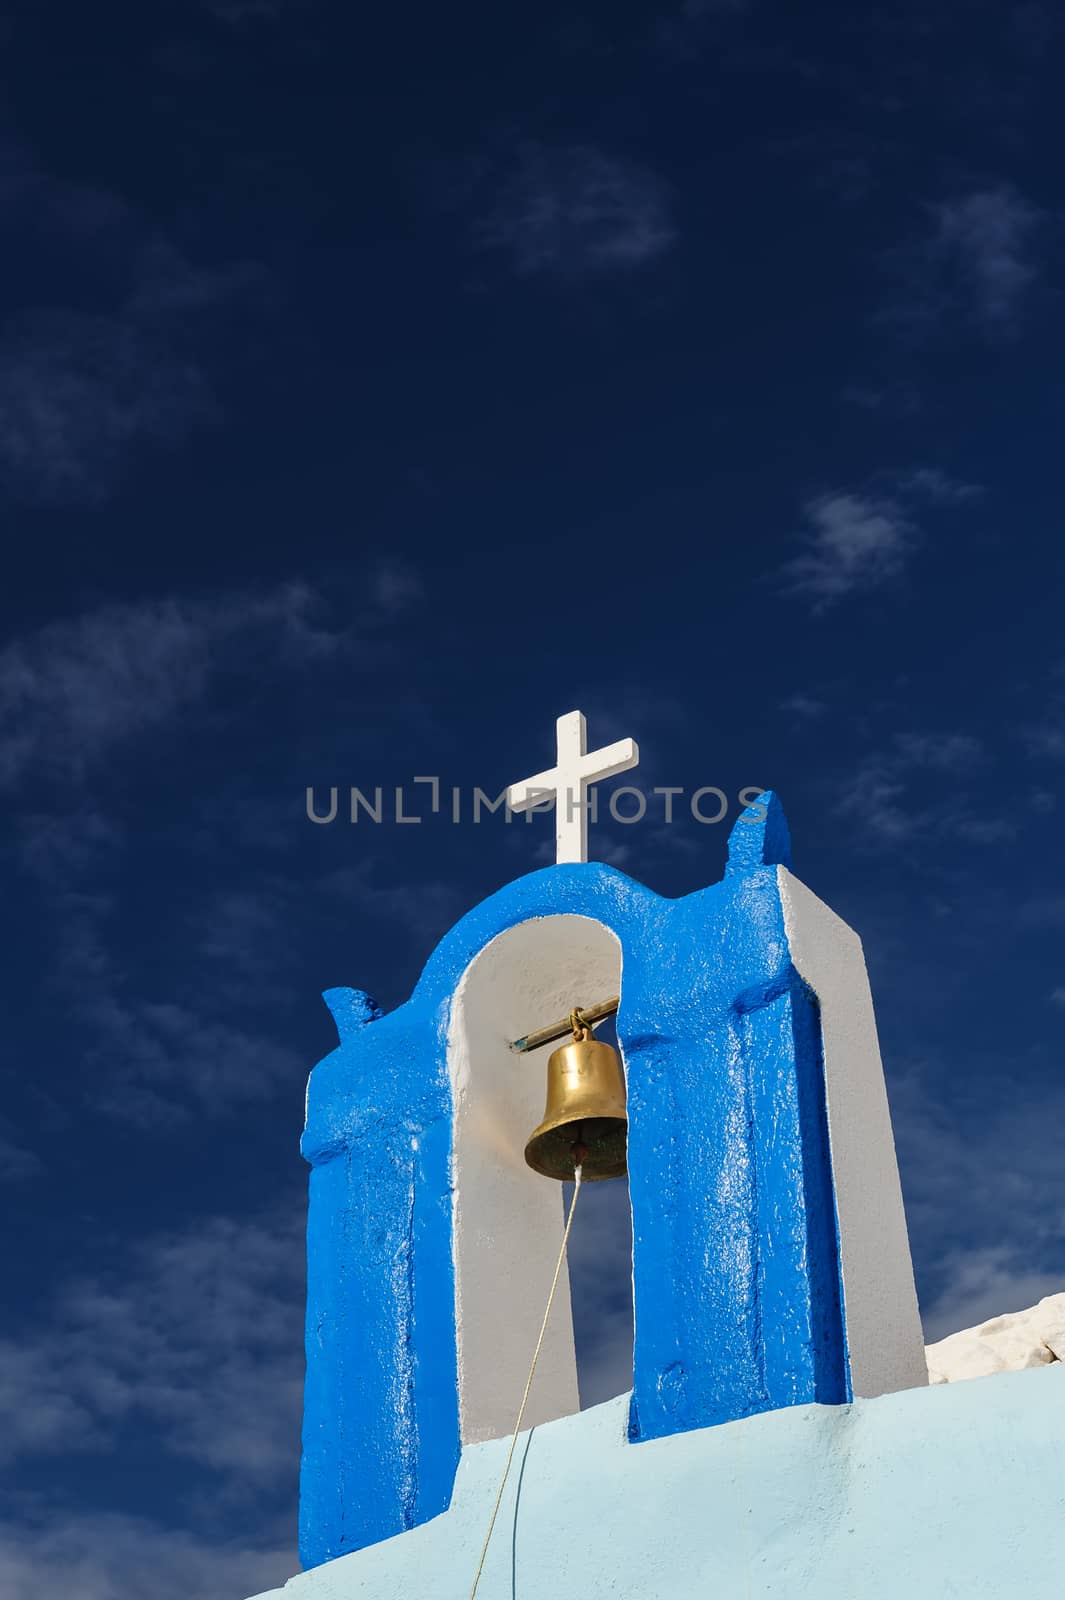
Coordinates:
x,y
955,754
81,390
987,237
893,397
197,1336
426,910
1043,736
1042,911
985,1282
852,544
855,542
804,706
683,31
75,690
238,13
976,263
194,1339
17,1163
54,1554
56,210
78,392
892,796
71,692
153,1058
56,848
575,211
938,487
155,1061
395,586
1046,738
978,1156
77,698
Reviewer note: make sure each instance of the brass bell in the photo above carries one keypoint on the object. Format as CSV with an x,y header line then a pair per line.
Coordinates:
x,y
584,1120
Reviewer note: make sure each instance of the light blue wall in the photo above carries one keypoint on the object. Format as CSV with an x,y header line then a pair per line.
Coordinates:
x,y
951,1490
735,1256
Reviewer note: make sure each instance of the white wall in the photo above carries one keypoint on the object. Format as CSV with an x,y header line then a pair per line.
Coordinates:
x,y
883,1322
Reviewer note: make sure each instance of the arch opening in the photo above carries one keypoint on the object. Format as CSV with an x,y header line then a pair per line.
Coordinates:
x,y
600,1279
507,1221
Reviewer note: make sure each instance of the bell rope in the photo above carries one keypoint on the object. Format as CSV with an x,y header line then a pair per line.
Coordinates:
x,y
528,1383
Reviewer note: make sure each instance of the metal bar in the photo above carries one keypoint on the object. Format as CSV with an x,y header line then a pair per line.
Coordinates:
x,y
559,1030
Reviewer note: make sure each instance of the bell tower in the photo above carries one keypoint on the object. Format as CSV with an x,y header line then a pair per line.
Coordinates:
x,y
771,1266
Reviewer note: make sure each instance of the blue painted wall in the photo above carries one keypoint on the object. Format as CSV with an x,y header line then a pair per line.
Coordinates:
x,y
735,1255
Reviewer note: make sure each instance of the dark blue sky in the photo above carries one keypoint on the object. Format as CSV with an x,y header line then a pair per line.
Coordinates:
x,y
372,390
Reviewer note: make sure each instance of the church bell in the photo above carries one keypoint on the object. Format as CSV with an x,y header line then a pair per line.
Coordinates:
x,y
584,1120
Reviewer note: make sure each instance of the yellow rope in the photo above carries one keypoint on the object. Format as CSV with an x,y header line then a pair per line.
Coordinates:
x,y
528,1384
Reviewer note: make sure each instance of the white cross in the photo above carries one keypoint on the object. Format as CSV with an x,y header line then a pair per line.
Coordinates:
x,y
567,782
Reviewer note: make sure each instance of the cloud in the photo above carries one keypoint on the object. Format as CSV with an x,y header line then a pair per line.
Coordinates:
x,y
78,392
1057,996
76,698
956,754
804,706
166,286
395,588
893,796
1043,739
107,1556
852,544
976,263
985,238
56,210
683,33
575,211
82,390
987,1282
894,397
16,1162
238,13
55,848
156,1060
1043,911
196,1338
426,909
76,690
938,487
984,1190
1046,738
857,542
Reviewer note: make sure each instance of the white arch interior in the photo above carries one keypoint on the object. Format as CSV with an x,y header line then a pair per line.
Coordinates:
x,y
507,1220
